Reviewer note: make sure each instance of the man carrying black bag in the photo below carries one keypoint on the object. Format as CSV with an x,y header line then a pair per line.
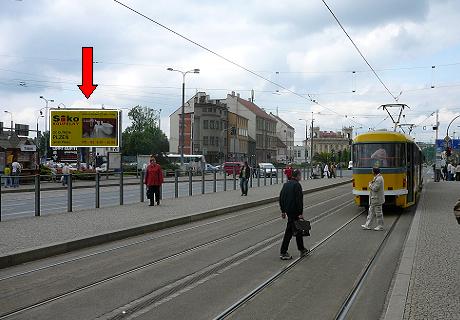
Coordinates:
x,y
291,204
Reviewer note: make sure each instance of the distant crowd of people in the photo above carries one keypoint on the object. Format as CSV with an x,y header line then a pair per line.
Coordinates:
x,y
11,174
328,170
446,172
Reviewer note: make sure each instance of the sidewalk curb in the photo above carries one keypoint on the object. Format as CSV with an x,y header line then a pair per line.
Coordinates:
x,y
397,303
19,257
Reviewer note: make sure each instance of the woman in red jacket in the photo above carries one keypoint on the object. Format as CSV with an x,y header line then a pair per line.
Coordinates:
x,y
153,180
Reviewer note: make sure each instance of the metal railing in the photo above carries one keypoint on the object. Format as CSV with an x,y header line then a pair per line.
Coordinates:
x,y
175,186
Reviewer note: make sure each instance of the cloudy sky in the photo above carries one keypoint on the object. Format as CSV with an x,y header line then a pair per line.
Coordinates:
x,y
302,61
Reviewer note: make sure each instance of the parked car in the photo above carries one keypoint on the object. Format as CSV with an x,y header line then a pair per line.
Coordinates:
x,y
230,166
210,168
266,170
102,168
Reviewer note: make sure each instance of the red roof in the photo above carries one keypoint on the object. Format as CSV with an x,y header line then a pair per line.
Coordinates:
x,y
255,109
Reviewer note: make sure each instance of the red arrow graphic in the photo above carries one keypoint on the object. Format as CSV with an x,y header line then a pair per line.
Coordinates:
x,y
87,86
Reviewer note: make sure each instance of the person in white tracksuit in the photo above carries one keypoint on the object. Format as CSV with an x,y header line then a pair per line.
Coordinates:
x,y
376,200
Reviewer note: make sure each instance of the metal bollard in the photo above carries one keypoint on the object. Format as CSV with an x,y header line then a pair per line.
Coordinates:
x,y
0,199
142,185
121,187
176,184
276,180
202,182
258,178
271,176
214,187
225,181
250,177
282,176
69,193
234,178
305,177
265,177
190,182
98,190
37,195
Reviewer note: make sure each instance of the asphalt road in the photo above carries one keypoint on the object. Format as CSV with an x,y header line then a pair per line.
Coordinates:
x,y
197,271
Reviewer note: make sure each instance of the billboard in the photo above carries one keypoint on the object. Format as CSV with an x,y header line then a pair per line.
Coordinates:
x,y
84,128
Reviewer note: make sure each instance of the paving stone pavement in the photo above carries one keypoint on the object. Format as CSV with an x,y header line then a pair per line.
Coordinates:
x,y
427,283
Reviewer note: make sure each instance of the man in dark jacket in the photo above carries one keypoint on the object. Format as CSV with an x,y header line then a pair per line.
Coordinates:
x,y
245,174
291,204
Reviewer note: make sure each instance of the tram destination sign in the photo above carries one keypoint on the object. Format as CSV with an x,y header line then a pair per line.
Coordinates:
x,y
84,128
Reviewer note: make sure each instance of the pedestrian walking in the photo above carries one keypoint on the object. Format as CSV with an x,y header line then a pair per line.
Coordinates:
x,y
7,173
457,172
288,171
245,173
452,172
445,173
376,200
153,180
65,174
333,171
326,170
15,172
291,205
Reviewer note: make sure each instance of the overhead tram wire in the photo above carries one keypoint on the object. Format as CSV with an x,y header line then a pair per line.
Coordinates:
x,y
359,51
219,55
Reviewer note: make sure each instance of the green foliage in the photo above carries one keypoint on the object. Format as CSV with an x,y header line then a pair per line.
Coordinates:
x,y
430,154
323,157
45,170
143,136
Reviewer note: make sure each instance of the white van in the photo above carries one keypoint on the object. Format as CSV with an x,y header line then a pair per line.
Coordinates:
x,y
267,170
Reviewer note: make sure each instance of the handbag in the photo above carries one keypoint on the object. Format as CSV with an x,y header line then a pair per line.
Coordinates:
x,y
302,228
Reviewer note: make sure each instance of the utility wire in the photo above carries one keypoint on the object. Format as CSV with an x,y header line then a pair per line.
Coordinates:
x,y
221,56
359,51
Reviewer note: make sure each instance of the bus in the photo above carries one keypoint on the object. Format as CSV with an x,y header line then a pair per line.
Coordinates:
x,y
193,162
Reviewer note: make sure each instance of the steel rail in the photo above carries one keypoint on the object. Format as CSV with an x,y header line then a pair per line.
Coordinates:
x,y
262,209
277,275
343,311
155,262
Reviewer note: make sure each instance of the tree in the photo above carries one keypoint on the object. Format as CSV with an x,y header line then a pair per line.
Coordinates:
x,y
323,157
143,136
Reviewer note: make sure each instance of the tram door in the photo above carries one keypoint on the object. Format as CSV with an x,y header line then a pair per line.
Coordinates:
x,y
410,172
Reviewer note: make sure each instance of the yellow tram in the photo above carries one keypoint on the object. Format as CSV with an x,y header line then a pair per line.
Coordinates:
x,y
400,161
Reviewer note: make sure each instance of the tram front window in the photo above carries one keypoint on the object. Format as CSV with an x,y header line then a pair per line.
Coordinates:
x,y
368,155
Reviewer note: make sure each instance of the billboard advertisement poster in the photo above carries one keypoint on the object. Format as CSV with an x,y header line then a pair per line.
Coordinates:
x,y
84,128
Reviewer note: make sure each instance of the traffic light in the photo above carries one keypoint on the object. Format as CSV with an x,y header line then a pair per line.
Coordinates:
x,y
448,151
233,131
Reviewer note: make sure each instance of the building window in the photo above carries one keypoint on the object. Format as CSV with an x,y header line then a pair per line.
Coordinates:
x,y
217,141
205,140
205,124
211,141
211,124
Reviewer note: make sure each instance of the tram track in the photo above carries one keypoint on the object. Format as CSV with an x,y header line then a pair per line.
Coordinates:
x,y
343,311
172,233
271,240
351,297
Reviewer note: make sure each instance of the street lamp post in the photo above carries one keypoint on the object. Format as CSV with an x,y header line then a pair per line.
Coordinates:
x,y
46,124
306,138
182,138
38,139
11,126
